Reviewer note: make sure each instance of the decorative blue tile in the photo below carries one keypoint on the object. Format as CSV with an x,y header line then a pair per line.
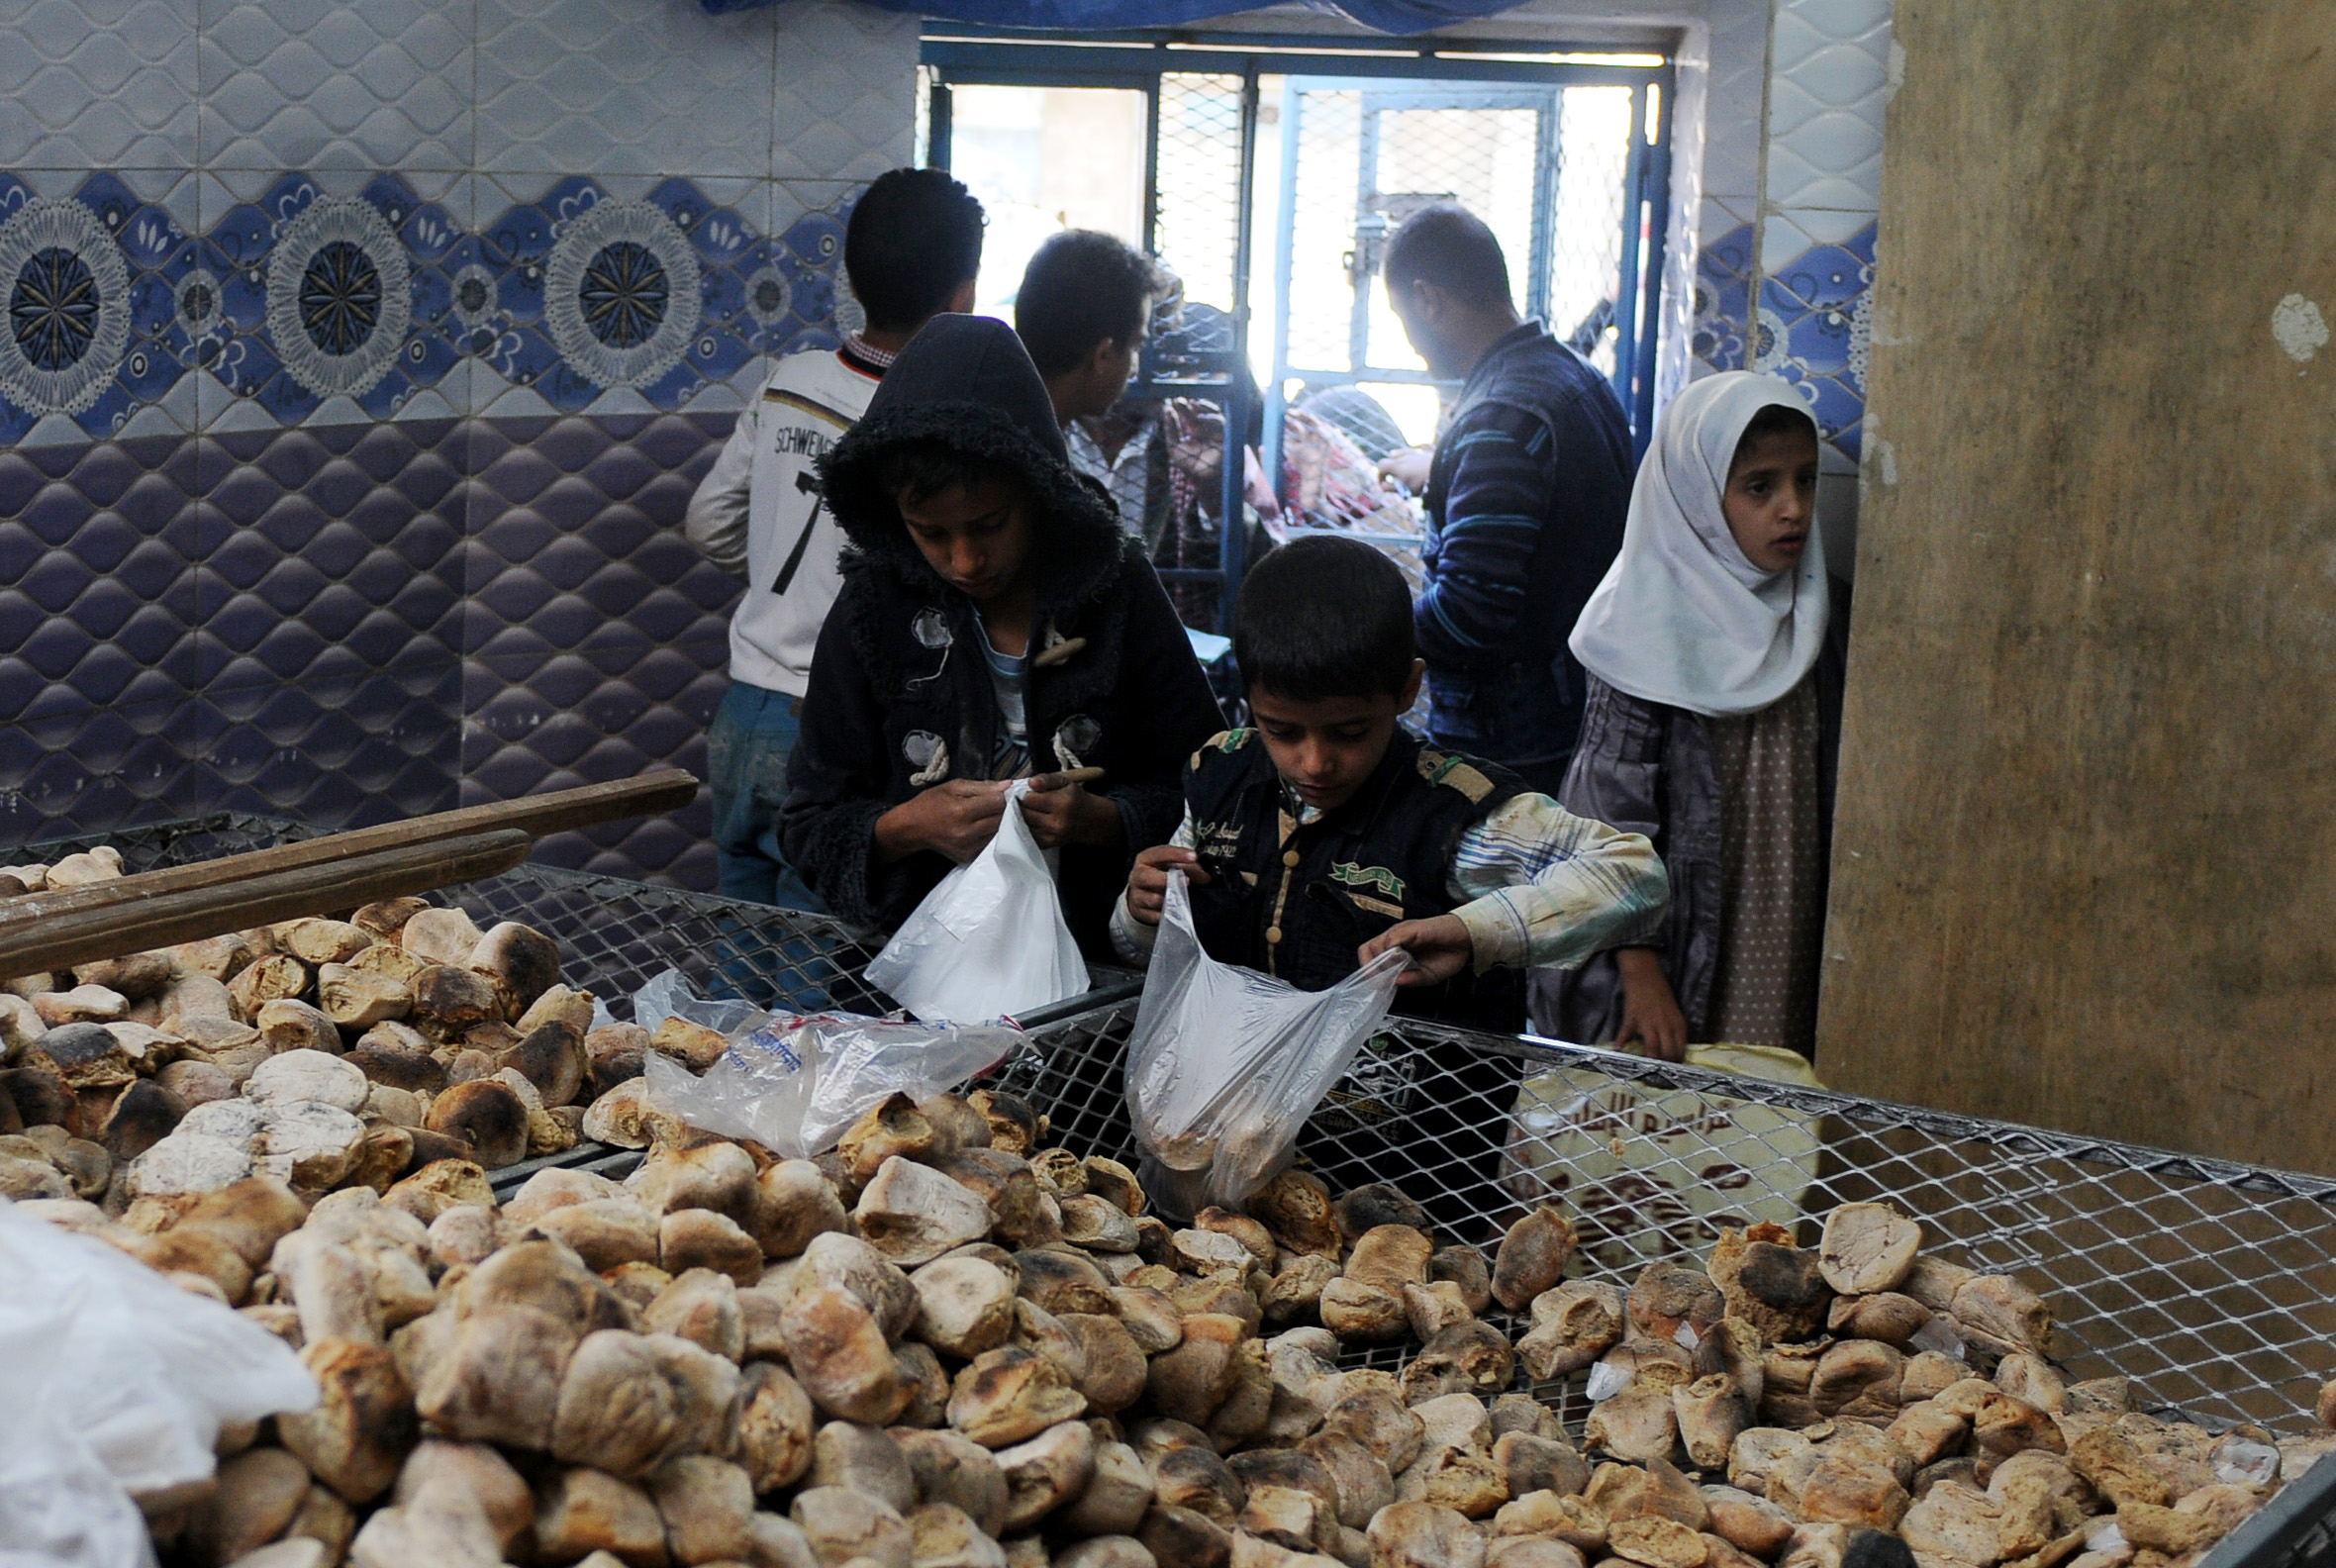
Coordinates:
x,y
1818,342
1824,278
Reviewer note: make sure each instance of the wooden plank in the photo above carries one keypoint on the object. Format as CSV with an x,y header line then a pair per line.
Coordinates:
x,y
191,913
2085,860
665,789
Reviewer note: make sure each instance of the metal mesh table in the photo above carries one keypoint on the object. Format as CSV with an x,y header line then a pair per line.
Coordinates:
x,y
2211,1285
612,935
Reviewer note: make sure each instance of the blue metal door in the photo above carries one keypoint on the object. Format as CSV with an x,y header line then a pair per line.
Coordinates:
x,y
1561,173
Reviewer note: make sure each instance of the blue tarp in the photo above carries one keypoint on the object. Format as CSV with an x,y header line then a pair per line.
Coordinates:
x,y
1105,16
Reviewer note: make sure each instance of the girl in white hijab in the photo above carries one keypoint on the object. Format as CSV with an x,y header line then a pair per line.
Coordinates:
x,y
1709,726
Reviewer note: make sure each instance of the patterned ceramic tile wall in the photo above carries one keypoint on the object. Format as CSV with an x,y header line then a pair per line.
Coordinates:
x,y
361,363
1730,190
1821,186
1792,183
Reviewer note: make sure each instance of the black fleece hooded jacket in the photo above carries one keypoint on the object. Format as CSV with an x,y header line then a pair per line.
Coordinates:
x,y
900,697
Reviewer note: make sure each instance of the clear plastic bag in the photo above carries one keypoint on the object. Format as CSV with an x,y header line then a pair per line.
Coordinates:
x,y
667,994
1225,1064
990,941
113,1380
793,1085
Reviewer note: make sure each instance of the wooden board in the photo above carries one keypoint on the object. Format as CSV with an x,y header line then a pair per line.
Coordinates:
x,y
2085,869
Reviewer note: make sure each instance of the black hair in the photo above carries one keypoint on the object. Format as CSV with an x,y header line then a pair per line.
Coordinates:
x,y
1324,617
1453,248
1082,287
1772,419
913,470
915,236
1775,419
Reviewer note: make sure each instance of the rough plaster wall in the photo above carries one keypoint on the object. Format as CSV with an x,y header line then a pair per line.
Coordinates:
x,y
2083,864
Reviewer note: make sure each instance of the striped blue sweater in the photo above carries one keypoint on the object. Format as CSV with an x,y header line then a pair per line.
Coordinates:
x,y
1526,504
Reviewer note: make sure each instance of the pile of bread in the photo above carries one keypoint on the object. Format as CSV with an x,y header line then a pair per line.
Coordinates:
x,y
945,1345
323,1053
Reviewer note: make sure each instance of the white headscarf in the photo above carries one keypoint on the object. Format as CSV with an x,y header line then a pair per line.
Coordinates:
x,y
1683,617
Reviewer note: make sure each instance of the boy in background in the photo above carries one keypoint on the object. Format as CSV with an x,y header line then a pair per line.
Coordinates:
x,y
1328,834
1084,312
911,251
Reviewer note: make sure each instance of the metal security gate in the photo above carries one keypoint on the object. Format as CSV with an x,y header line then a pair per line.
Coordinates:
x,y
1561,151
1570,178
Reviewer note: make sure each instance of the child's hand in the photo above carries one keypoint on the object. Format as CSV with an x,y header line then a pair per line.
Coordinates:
x,y
957,819
1441,949
1650,1008
1061,814
1147,884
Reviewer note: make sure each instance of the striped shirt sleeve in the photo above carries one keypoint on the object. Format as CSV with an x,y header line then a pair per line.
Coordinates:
x,y
1546,889
1504,478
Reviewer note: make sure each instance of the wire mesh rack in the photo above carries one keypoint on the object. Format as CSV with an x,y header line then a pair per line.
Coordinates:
x,y
2210,1285
613,934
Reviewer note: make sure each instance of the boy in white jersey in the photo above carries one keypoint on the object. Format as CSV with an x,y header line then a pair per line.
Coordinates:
x,y
910,250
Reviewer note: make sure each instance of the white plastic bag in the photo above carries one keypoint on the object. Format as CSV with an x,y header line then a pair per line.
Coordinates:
x,y
1226,1064
113,1380
990,941
794,1083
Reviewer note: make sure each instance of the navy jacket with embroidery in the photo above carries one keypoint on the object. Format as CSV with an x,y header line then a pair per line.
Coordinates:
x,y
899,696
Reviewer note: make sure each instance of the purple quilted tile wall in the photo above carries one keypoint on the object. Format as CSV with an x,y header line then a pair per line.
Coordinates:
x,y
355,623
99,665
595,638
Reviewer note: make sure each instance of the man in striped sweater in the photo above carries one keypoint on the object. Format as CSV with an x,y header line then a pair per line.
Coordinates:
x,y
1526,499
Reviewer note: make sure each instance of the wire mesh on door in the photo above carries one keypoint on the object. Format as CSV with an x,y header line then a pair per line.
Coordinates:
x,y
1548,168
1197,178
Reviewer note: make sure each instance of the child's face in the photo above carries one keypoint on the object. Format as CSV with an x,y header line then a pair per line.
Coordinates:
x,y
976,535
1771,497
1326,748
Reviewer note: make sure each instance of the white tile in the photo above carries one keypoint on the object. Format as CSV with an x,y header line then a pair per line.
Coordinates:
x,y
430,402
1841,19
1790,39
97,84
848,109
505,401
1785,236
624,87
620,400
55,181
1720,214
337,410
212,397
239,414
1814,192
1780,240
54,429
1834,144
1841,75
320,84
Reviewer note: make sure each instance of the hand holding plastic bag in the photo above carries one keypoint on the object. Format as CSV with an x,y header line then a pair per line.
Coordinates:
x,y
990,941
1226,1064
113,1380
794,1085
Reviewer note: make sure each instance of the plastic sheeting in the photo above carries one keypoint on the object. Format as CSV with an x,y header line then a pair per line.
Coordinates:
x,y
1103,16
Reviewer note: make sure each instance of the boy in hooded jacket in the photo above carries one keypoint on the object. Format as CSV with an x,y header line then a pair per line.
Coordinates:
x,y
996,621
